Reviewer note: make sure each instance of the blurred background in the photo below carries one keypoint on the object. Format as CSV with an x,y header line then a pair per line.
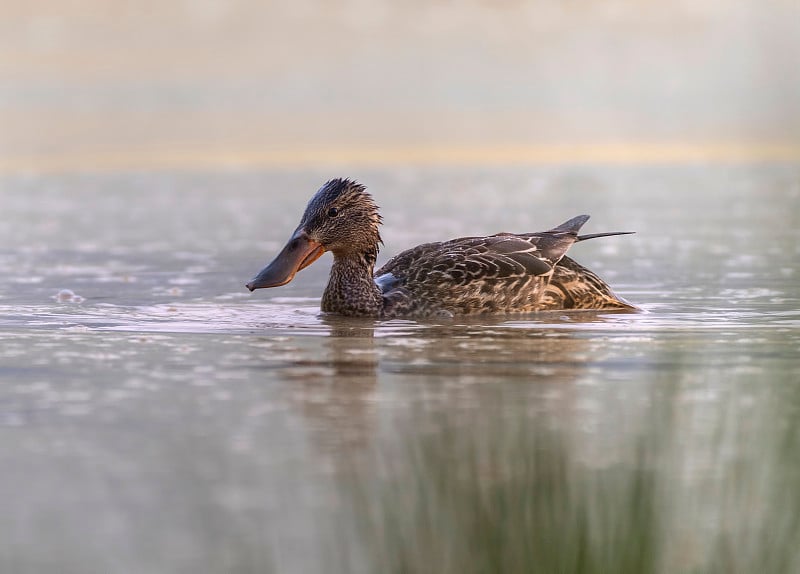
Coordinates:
x,y
155,416
88,84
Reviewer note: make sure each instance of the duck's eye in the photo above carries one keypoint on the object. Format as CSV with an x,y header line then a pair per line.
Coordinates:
x,y
333,212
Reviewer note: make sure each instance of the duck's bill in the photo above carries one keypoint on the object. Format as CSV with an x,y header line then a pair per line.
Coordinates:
x,y
300,252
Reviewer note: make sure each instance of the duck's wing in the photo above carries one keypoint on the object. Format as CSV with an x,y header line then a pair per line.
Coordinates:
x,y
501,273
464,260
504,255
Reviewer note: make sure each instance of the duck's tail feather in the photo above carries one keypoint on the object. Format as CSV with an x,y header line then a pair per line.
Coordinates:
x,y
608,234
571,225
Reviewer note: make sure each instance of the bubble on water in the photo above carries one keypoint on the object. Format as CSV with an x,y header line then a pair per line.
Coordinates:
x,y
68,296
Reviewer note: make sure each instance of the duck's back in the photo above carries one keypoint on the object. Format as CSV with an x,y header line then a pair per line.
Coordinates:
x,y
502,273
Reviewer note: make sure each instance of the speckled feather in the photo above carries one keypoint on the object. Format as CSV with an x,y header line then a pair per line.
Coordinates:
x,y
572,286
502,273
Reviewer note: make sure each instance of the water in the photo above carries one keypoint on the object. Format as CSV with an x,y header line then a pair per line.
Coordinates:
x,y
157,417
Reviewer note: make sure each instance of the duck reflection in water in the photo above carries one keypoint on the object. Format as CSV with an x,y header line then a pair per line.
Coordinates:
x,y
336,392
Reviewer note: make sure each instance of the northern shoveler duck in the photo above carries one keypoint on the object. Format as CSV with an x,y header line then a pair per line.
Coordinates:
x,y
503,273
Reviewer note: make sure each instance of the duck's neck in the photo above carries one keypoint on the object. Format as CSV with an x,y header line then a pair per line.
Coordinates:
x,y
351,289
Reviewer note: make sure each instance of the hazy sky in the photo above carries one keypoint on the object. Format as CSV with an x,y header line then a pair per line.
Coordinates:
x,y
140,83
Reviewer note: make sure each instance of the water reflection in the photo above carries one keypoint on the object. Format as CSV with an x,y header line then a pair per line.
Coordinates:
x,y
492,494
159,418
334,388
541,446
584,470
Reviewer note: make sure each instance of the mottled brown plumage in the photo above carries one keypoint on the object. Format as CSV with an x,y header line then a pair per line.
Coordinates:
x,y
503,273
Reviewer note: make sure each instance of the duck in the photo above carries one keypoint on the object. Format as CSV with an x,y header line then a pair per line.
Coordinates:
x,y
505,273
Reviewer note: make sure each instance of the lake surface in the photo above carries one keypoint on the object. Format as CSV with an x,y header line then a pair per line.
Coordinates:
x,y
157,417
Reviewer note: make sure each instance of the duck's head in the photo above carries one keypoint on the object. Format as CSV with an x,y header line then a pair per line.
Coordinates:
x,y
341,217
